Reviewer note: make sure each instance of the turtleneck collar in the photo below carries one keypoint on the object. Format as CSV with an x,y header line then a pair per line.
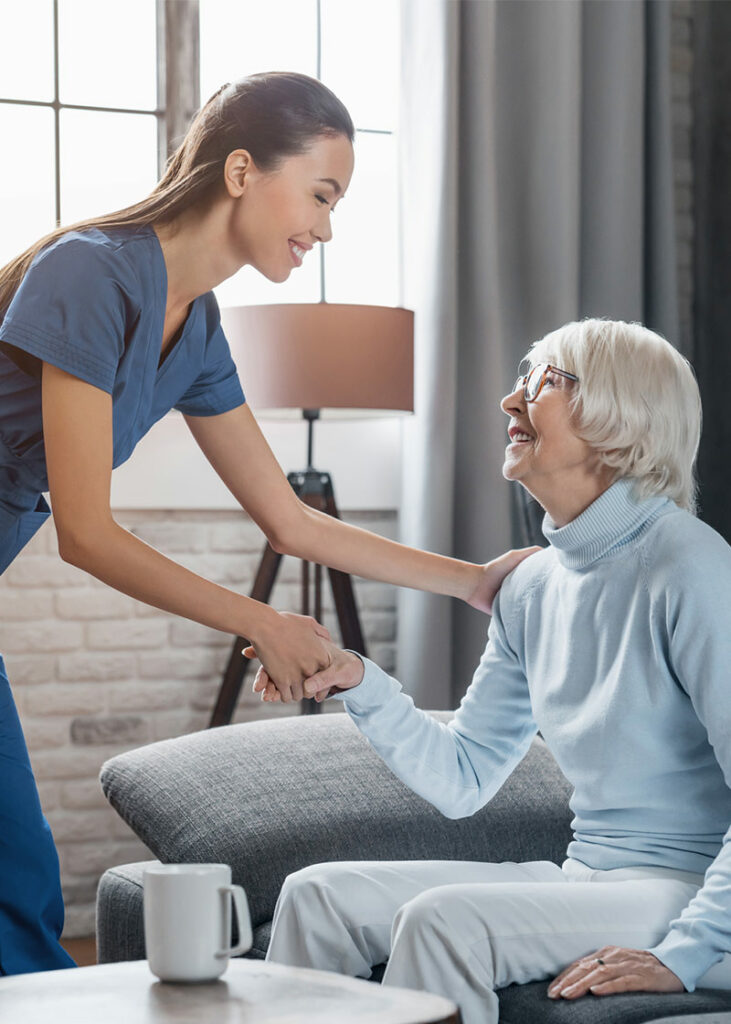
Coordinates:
x,y
616,518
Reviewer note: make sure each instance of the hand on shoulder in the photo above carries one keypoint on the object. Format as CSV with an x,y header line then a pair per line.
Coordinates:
x,y
492,575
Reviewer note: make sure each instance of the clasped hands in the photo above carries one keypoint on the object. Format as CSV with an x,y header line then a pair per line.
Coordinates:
x,y
328,670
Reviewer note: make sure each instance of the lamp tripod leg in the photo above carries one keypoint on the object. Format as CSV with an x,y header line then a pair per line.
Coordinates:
x,y
344,597
311,707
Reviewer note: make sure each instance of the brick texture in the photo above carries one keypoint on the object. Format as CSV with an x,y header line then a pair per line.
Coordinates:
x,y
95,672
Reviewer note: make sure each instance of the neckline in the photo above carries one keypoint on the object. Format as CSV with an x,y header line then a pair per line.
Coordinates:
x,y
615,519
177,338
170,355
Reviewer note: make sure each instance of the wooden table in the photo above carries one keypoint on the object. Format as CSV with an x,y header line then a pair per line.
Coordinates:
x,y
250,992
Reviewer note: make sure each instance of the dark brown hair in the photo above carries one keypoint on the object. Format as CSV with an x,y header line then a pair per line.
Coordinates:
x,y
272,115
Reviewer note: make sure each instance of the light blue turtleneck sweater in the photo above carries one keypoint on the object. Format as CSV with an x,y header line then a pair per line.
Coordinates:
x,y
615,643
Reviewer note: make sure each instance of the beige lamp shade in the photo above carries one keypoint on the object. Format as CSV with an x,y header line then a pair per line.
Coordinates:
x,y
323,355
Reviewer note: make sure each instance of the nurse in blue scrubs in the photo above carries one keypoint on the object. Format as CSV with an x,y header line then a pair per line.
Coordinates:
x,y
107,325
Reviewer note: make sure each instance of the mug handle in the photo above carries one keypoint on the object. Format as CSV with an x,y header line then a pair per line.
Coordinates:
x,y
242,919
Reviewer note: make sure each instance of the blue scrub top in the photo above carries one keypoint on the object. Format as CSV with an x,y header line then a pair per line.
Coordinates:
x,y
93,304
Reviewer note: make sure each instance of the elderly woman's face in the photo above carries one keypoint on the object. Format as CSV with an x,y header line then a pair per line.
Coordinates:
x,y
545,453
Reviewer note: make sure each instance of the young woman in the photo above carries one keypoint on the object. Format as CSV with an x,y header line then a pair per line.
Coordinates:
x,y
105,327
614,642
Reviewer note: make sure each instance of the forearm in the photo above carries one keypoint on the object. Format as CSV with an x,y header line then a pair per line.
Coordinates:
x,y
126,563
701,935
424,753
456,767
318,537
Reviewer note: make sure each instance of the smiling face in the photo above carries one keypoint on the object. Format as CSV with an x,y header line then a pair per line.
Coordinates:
x,y
546,455
279,215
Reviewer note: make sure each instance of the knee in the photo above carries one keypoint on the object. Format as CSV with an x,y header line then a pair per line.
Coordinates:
x,y
427,913
310,886
300,884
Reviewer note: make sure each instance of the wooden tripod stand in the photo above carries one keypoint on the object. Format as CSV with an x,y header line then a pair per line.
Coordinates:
x,y
315,489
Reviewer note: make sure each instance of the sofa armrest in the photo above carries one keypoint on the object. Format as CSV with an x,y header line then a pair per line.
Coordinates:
x,y
119,924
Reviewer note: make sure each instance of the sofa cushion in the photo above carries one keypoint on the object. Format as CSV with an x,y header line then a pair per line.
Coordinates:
x,y
271,797
528,1004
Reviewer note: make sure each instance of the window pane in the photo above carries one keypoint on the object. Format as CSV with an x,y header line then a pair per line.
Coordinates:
x,y
26,65
27,195
107,53
107,161
362,260
360,51
250,288
238,39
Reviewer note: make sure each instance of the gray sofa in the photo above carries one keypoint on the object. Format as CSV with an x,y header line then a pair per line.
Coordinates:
x,y
271,797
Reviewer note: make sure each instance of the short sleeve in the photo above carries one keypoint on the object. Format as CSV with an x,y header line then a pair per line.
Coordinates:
x,y
216,389
71,309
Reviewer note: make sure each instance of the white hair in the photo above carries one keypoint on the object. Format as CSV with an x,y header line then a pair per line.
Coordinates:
x,y
637,403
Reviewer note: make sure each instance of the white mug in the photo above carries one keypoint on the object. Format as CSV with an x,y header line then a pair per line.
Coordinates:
x,y
187,913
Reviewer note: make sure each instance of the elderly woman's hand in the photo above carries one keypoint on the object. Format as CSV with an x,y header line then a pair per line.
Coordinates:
x,y
491,576
614,969
291,652
343,673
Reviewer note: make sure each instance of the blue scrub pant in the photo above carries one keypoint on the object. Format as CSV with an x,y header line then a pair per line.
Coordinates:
x,y
31,905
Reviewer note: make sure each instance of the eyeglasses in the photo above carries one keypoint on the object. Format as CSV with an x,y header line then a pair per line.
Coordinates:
x,y
532,383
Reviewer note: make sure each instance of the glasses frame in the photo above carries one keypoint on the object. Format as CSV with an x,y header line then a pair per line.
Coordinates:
x,y
547,368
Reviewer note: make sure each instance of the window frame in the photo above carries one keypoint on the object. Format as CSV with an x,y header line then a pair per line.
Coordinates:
x,y
178,94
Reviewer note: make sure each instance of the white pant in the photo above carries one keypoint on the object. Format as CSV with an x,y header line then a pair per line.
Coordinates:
x,y
463,929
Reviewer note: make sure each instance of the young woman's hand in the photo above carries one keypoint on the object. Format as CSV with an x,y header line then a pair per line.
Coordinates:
x,y
343,673
492,575
614,969
291,649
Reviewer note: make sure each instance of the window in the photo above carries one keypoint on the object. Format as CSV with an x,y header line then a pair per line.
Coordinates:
x,y
78,111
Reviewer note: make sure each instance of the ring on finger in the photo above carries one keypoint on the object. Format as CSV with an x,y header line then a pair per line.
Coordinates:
x,y
598,960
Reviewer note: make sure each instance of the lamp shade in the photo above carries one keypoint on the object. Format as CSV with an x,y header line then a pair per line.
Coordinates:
x,y
323,355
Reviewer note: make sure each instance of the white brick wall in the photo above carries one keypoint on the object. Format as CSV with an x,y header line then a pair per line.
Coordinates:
x,y
95,673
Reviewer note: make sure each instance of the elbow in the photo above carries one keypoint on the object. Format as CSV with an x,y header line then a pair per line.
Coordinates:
x,y
287,535
278,542
72,549
76,546
464,806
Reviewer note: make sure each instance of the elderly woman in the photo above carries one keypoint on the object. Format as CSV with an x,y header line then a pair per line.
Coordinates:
x,y
615,643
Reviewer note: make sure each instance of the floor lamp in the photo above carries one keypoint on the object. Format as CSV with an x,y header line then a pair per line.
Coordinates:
x,y
314,357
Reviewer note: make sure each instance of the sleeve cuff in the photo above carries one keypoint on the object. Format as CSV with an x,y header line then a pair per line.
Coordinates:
x,y
59,352
220,398
374,689
685,958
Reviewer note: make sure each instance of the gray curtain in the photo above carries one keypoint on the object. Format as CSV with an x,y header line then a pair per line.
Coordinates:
x,y
537,189
712,294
